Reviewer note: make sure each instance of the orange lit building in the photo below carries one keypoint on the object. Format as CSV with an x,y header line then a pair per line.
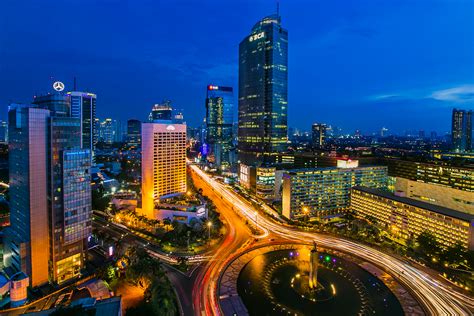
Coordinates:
x,y
163,163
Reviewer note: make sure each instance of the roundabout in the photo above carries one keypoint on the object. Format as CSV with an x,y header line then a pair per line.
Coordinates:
x,y
277,283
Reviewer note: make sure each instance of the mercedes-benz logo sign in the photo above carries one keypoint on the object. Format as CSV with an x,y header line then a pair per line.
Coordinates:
x,y
58,86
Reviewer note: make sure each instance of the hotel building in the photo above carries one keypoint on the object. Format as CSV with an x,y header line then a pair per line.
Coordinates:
x,y
163,163
408,218
324,192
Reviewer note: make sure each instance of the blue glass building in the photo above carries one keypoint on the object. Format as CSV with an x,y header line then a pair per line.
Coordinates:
x,y
219,119
263,92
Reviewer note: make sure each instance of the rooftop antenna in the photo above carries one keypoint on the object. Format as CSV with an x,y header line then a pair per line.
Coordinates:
x,y
278,8
75,84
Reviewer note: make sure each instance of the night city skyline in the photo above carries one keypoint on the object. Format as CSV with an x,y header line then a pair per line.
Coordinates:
x,y
246,157
399,65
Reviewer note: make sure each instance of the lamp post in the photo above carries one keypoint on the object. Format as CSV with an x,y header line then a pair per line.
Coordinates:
x,y
209,225
305,212
256,220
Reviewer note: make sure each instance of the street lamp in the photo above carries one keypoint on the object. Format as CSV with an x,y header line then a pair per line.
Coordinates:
x,y
256,220
209,225
305,212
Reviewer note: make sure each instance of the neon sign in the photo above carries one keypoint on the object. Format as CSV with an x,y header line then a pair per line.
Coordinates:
x,y
256,36
58,86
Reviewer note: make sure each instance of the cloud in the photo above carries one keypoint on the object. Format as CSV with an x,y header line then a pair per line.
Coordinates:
x,y
461,94
385,97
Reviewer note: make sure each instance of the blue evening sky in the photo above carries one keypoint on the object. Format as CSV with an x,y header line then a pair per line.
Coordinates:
x,y
355,64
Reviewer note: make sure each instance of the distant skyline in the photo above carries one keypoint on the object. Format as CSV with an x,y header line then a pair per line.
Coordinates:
x,y
403,65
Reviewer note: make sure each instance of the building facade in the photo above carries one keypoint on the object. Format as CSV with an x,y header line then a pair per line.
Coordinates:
x,y
161,112
163,163
110,131
50,188
134,133
407,218
324,192
460,178
263,92
455,199
319,135
461,130
83,107
27,238
219,120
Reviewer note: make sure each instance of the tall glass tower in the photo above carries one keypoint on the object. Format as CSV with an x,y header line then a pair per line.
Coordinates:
x,y
263,92
461,130
51,212
83,106
219,108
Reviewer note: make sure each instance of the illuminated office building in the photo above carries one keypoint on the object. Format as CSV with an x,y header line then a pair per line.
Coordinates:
x,y
83,106
50,192
319,135
322,192
263,181
219,116
3,132
161,112
134,132
263,92
163,163
460,178
461,130
110,131
408,218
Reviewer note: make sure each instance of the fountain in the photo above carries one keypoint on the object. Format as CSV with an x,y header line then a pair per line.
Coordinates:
x,y
306,280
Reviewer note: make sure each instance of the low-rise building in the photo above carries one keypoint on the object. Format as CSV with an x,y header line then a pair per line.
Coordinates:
x,y
322,192
455,199
408,218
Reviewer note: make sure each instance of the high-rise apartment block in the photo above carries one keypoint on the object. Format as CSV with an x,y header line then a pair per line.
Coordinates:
x,y
263,92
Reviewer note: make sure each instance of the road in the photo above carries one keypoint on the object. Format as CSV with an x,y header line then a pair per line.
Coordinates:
x,y
436,295
204,295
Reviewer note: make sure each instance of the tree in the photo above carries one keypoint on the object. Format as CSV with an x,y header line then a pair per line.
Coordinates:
x,y
428,244
454,254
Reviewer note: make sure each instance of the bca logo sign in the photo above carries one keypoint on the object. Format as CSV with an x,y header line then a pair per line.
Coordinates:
x,y
256,36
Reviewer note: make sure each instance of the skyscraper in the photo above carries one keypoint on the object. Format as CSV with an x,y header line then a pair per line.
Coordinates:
x,y
161,112
319,135
134,130
263,91
27,238
219,110
110,131
163,162
83,106
3,132
461,131
50,188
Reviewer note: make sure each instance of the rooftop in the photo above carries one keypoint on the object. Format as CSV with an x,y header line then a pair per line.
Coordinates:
x,y
420,204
